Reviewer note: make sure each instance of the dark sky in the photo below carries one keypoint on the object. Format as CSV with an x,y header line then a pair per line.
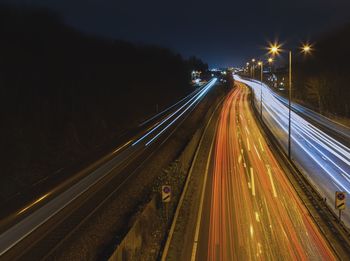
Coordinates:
x,y
220,32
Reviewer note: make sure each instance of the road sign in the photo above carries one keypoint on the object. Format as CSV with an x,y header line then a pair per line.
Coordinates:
x,y
340,200
166,193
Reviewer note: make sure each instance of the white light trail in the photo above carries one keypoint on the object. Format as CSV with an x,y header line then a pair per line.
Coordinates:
x,y
311,146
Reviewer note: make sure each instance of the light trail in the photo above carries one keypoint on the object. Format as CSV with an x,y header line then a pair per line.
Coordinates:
x,y
266,219
185,107
168,109
190,106
322,158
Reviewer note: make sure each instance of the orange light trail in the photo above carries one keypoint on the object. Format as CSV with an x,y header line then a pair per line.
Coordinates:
x,y
255,212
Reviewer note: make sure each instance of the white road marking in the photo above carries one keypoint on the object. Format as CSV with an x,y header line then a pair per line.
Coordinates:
x,y
257,216
253,183
271,180
261,146
257,152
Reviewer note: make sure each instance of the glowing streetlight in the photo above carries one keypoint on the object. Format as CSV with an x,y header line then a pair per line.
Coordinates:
x,y
270,61
253,68
306,48
261,64
275,49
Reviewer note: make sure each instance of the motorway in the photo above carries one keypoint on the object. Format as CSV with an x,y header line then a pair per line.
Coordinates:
x,y
25,228
324,160
254,213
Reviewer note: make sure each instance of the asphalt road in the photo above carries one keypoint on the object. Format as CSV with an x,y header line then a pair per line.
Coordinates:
x,y
324,160
24,228
250,210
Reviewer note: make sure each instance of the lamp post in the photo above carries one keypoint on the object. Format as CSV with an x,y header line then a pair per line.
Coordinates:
x,y
249,69
270,61
253,66
275,49
261,64
290,105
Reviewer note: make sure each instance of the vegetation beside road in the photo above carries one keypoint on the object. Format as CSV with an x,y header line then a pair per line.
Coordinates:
x,y
65,94
322,80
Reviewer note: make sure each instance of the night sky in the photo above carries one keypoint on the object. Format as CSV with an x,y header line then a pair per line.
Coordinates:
x,y
222,33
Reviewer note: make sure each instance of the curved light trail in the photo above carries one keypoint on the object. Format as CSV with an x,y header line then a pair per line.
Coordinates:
x,y
255,213
324,160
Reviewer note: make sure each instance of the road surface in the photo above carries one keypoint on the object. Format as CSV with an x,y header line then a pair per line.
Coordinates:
x,y
251,210
324,160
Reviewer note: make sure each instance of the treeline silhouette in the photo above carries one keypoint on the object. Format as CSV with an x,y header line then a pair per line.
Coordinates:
x,y
64,93
322,80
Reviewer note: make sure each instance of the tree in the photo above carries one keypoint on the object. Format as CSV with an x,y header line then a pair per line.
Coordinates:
x,y
317,89
197,64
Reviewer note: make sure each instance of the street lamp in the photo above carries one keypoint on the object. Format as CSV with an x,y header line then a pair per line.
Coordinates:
x,y
253,68
275,49
270,61
249,69
306,48
261,64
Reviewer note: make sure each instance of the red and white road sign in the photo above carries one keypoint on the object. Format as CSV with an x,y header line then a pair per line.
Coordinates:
x,y
340,200
166,193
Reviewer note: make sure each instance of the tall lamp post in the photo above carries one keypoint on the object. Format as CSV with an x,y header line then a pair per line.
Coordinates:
x,y
270,61
253,68
247,67
275,49
261,64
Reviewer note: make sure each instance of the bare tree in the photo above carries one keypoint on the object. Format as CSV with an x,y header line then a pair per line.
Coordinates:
x,y
317,89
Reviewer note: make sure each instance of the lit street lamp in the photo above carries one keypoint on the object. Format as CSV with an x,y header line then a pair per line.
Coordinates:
x,y
261,64
306,48
253,68
275,49
270,61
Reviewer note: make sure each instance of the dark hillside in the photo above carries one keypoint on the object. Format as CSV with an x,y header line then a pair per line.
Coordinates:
x,y
64,93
